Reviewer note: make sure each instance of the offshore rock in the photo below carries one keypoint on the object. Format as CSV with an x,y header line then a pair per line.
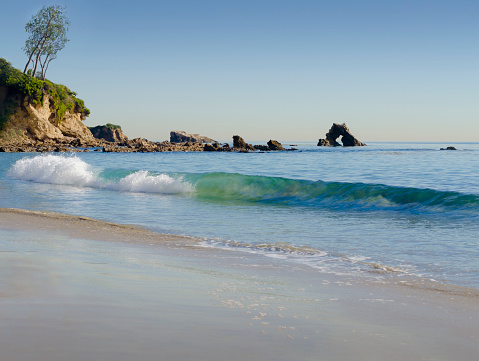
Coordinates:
x,y
275,145
262,148
210,148
109,132
179,136
240,145
339,130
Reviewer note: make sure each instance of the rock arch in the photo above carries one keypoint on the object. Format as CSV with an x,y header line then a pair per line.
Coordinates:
x,y
336,131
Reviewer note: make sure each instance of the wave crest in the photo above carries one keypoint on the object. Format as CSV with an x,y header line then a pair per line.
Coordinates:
x,y
53,169
333,195
71,170
231,187
143,182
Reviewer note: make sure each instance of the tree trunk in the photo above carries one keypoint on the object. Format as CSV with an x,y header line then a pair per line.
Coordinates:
x,y
31,56
45,36
44,66
28,63
38,57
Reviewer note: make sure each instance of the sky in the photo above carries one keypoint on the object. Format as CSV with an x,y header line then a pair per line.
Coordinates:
x,y
268,69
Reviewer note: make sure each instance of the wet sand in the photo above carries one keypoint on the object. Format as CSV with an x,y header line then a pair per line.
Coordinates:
x,y
72,288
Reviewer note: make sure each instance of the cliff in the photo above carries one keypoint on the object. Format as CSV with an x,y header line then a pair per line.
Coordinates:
x,y
32,109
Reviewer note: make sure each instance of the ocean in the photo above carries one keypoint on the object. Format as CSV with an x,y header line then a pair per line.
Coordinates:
x,y
384,212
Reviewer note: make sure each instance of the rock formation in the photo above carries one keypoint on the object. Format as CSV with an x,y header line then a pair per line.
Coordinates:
x,y
210,147
39,114
261,147
240,145
275,145
179,136
336,131
39,121
109,132
145,146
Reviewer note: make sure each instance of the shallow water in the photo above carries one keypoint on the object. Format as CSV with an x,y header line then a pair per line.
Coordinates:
x,y
64,297
384,210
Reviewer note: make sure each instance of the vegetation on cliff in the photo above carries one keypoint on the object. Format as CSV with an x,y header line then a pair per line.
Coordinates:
x,y
17,85
112,126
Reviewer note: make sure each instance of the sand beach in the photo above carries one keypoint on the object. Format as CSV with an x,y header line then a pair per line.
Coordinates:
x,y
74,288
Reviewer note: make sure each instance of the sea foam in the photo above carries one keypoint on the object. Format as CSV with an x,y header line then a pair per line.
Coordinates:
x,y
53,169
144,182
71,170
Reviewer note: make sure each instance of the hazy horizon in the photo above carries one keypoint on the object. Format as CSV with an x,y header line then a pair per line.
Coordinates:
x,y
403,71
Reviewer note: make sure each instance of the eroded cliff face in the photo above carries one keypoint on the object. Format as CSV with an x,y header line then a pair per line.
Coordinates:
x,y
40,122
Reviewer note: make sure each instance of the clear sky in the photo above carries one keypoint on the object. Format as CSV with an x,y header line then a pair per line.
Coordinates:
x,y
403,70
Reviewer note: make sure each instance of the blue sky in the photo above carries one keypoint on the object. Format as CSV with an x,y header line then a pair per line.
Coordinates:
x,y
286,70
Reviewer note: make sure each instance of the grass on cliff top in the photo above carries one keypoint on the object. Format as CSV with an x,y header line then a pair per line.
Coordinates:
x,y
36,89
107,125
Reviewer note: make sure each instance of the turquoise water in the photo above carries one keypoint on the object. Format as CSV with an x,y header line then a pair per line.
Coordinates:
x,y
385,210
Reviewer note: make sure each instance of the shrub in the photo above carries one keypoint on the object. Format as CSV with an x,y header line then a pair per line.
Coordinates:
x,y
63,98
112,126
11,77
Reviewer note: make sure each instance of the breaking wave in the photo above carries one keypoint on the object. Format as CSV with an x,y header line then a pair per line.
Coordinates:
x,y
232,187
54,170
71,170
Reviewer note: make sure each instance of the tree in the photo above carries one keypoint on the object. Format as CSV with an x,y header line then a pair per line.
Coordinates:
x,y
47,31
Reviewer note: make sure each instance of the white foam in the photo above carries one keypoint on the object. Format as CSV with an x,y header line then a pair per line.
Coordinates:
x,y
71,170
54,169
144,182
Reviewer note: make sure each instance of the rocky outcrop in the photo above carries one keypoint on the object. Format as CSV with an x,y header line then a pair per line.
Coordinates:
x,y
336,131
137,145
179,136
40,121
210,147
109,132
275,145
48,145
145,146
240,145
261,147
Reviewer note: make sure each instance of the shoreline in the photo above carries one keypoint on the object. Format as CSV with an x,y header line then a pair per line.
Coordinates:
x,y
74,287
99,230
83,227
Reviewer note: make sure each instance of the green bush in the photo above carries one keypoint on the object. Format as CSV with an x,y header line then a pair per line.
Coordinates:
x,y
11,77
63,98
112,126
